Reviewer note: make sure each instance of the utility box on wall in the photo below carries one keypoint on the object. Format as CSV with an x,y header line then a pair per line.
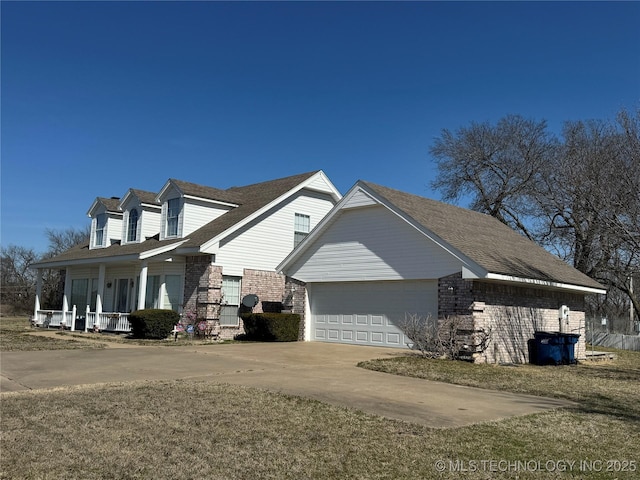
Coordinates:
x,y
563,317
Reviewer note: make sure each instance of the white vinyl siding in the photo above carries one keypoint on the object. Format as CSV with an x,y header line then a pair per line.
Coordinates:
x,y
231,301
198,213
264,243
368,313
149,223
149,219
372,243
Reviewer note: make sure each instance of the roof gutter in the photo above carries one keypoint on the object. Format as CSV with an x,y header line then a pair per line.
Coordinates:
x,y
543,283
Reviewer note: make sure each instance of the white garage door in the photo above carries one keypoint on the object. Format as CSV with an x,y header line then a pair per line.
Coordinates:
x,y
366,313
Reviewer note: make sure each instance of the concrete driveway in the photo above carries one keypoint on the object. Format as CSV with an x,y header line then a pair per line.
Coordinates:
x,y
323,371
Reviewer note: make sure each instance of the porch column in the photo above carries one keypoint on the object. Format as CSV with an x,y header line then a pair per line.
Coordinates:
x,y
100,294
142,288
38,293
67,294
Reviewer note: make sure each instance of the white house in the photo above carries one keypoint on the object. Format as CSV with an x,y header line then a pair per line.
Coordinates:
x,y
188,247
382,254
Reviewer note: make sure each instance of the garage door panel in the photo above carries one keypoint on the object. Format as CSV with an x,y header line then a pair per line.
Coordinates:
x,y
347,336
373,308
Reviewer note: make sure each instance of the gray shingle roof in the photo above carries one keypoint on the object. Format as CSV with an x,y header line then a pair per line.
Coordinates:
x,y
249,199
145,197
203,191
485,240
111,204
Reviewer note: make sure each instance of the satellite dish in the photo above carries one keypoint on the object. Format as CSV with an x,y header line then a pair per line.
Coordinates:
x,y
250,300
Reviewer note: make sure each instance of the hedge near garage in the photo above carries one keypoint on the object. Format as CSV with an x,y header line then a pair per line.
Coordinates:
x,y
271,327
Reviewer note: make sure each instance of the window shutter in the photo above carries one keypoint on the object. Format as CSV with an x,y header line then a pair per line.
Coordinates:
x,y
125,227
163,221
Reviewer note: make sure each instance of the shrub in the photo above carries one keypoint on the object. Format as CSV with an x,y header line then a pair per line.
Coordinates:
x,y
153,323
272,327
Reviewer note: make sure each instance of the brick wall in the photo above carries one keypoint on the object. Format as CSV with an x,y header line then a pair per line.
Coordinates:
x,y
512,313
268,286
295,301
202,288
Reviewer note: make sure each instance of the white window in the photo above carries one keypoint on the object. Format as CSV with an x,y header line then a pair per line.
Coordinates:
x,y
79,288
101,224
152,292
301,228
173,215
231,301
132,227
172,289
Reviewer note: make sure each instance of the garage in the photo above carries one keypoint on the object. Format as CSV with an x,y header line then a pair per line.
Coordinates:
x,y
367,313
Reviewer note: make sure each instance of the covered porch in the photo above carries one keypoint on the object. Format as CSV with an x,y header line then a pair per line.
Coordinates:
x,y
99,296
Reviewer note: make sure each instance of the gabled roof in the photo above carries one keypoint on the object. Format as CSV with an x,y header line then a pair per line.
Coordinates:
x,y
194,190
112,205
490,248
145,198
250,201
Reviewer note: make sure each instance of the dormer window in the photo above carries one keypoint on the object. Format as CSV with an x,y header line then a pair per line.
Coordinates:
x,y
173,215
101,223
132,227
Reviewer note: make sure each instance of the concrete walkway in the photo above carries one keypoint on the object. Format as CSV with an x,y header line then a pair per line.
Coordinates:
x,y
323,371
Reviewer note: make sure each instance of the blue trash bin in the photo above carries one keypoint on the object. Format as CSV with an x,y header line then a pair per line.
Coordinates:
x,y
570,340
549,348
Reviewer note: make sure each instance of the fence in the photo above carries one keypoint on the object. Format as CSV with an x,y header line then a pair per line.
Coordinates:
x,y
614,340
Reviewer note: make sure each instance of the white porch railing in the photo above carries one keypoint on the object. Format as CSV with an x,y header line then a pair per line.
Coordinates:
x,y
108,321
55,318
105,321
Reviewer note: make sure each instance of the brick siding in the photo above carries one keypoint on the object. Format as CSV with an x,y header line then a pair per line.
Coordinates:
x,y
512,314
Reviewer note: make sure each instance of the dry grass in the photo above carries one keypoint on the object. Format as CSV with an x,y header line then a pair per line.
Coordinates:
x,y
15,335
196,430
610,387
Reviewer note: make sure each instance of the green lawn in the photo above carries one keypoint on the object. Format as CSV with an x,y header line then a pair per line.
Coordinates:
x,y
196,430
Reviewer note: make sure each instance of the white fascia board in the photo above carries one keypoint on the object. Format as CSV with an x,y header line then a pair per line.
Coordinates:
x,y
86,261
151,205
209,200
332,188
125,199
205,247
161,250
163,190
544,283
93,207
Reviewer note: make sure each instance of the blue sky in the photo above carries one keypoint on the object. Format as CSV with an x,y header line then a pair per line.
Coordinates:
x,y
100,97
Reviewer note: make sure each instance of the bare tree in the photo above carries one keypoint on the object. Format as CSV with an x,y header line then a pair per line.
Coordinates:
x,y
578,196
497,165
17,279
62,240
53,279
